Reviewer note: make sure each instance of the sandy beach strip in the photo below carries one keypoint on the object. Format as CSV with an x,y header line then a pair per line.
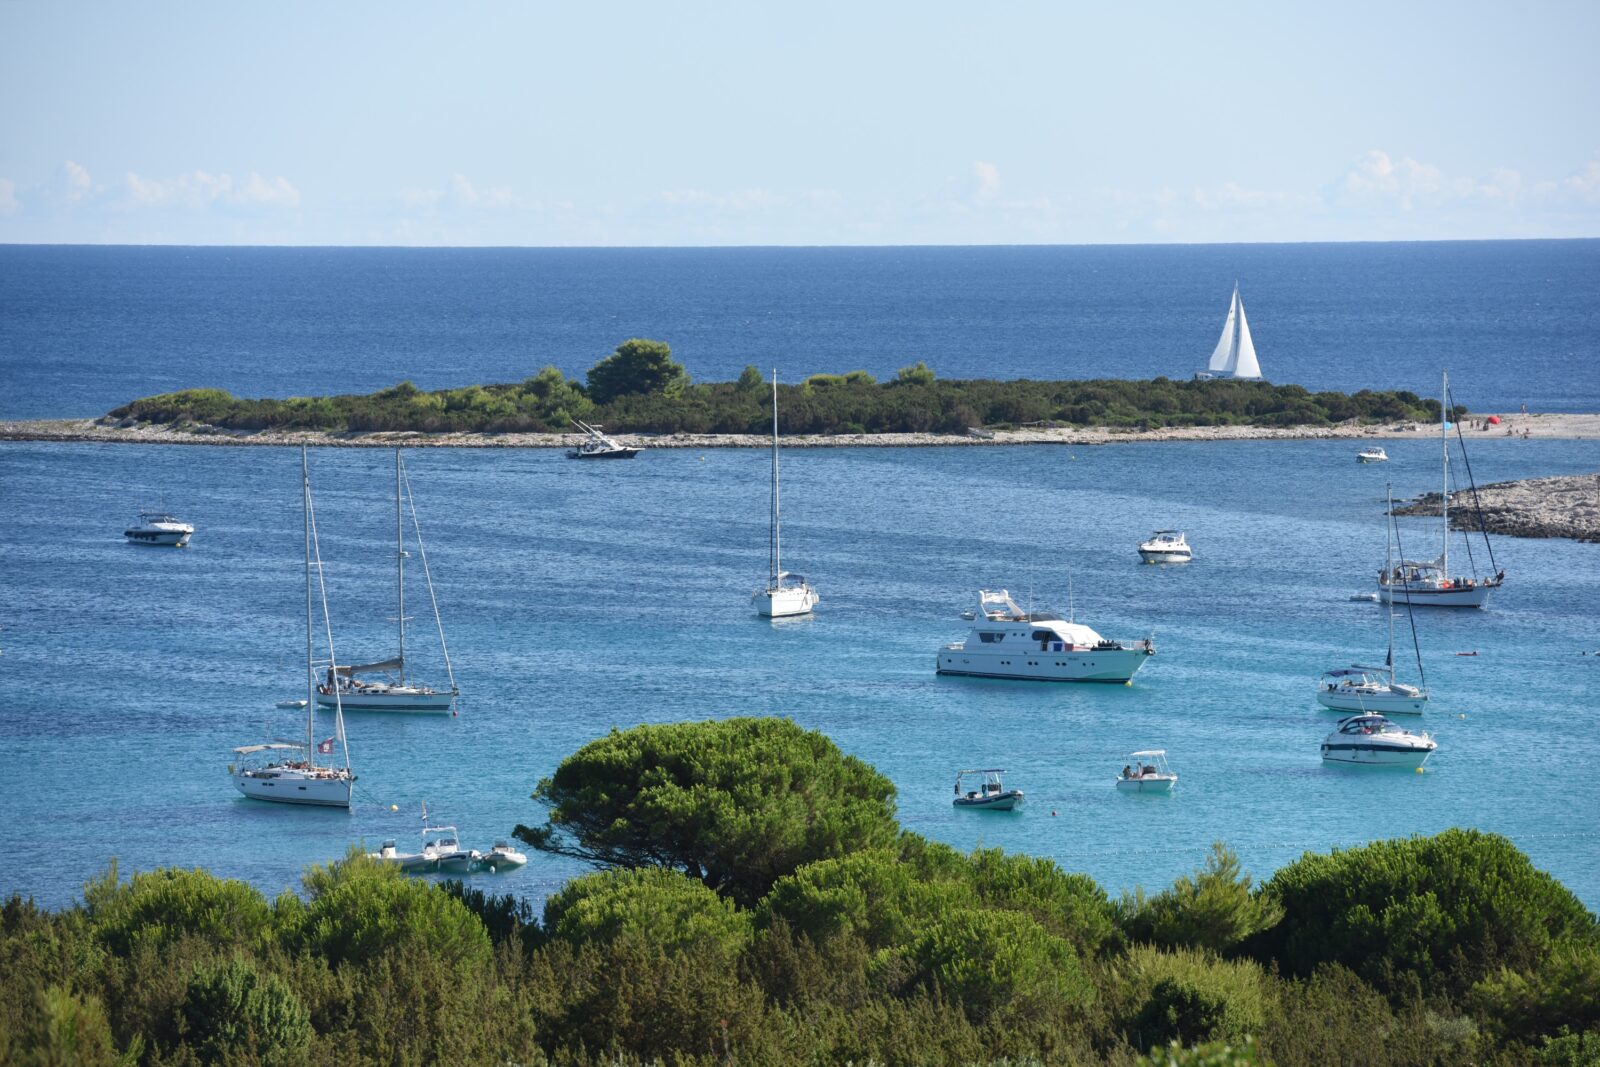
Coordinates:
x,y
1560,427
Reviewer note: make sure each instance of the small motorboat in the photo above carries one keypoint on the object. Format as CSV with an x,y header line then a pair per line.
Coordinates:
x,y
1166,546
410,862
502,857
1374,741
1374,454
1147,772
992,795
159,528
596,445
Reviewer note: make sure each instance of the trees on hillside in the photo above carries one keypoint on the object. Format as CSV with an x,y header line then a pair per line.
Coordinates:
x,y
637,366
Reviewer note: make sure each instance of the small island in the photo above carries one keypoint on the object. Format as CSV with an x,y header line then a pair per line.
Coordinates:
x,y
1534,507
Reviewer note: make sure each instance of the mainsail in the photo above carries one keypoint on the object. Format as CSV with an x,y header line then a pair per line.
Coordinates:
x,y
1235,354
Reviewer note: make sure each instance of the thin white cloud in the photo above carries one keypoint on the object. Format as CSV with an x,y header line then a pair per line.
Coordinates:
x,y
8,196
78,182
987,177
201,189
1405,181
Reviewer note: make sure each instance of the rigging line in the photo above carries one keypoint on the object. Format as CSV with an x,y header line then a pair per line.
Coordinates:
x,y
327,624
1411,610
1477,505
422,551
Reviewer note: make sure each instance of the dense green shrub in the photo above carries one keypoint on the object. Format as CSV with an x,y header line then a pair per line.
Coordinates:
x,y
230,1010
159,907
668,908
1212,909
999,963
1186,996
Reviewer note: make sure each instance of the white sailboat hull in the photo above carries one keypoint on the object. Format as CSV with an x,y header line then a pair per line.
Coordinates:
x,y
1390,703
1423,596
1110,665
405,700
289,788
782,603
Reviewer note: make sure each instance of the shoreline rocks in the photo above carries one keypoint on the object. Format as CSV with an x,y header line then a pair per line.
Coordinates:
x,y
1535,507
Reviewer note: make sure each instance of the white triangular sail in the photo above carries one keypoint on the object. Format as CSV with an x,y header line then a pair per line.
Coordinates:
x,y
1222,359
1244,363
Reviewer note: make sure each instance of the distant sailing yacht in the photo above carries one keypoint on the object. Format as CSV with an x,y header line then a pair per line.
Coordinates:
x,y
785,593
1429,582
343,685
269,771
1235,354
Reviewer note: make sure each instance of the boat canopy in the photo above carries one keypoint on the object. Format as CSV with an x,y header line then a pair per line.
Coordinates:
x,y
1353,672
1152,752
790,576
246,750
371,668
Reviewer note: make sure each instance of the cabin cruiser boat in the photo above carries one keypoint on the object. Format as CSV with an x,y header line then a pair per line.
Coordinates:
x,y
992,795
1361,688
1147,772
345,684
159,528
1166,546
1429,582
1374,741
1373,454
502,857
596,445
1007,642
784,594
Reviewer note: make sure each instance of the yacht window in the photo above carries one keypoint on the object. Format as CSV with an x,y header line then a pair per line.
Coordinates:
x,y
1043,635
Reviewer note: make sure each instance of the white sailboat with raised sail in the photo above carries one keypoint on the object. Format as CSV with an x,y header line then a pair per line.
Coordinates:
x,y
347,685
1374,689
287,772
1429,582
1235,354
784,594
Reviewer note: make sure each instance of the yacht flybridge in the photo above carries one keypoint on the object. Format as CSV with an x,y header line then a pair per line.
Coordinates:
x,y
346,685
1429,582
287,772
784,594
1007,642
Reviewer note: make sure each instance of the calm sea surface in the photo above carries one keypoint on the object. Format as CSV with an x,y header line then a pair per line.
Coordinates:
x,y
582,597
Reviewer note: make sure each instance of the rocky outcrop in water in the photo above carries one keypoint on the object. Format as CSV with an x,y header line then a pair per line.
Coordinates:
x,y
1537,507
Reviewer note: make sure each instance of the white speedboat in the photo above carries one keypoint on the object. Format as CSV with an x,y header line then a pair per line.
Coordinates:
x,y
1007,642
991,795
1147,772
348,685
784,594
1166,546
502,857
287,772
1235,354
159,528
1360,688
410,862
1374,741
1374,454
596,445
1429,583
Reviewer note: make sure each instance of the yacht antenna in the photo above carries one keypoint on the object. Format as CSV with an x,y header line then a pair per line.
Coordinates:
x,y
1072,610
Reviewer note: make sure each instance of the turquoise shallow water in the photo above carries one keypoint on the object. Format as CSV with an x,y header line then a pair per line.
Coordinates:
x,y
581,597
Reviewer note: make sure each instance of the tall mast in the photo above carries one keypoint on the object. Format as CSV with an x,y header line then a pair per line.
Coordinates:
x,y
1388,569
777,536
1444,439
400,565
311,676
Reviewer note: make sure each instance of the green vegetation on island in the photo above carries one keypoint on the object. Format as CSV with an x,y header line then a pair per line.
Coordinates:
x,y
759,903
640,389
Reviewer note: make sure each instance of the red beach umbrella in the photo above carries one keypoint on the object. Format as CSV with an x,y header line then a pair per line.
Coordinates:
x,y
1494,420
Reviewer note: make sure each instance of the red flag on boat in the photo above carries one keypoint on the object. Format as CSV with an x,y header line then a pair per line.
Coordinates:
x,y
326,747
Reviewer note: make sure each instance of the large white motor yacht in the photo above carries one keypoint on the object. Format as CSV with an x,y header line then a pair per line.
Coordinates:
x,y
1374,741
159,528
1166,546
1007,642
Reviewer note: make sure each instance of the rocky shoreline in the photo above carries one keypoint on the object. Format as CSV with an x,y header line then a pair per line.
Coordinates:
x,y
107,431
1535,507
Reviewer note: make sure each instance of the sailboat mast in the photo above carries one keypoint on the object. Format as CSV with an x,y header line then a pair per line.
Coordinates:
x,y
1235,313
311,676
400,565
777,536
1444,440
1388,569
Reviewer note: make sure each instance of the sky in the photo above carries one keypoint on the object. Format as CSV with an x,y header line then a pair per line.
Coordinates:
x,y
696,124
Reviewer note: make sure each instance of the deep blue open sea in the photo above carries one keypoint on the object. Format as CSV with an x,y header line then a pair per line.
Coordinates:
x,y
578,597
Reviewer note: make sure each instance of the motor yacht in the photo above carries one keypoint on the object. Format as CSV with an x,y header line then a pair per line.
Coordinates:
x,y
1374,454
1147,772
1374,741
159,528
1007,642
991,795
1166,546
596,445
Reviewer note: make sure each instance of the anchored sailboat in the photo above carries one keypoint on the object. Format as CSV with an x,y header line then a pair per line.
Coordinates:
x,y
345,685
1235,354
1374,689
287,771
1429,582
785,593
